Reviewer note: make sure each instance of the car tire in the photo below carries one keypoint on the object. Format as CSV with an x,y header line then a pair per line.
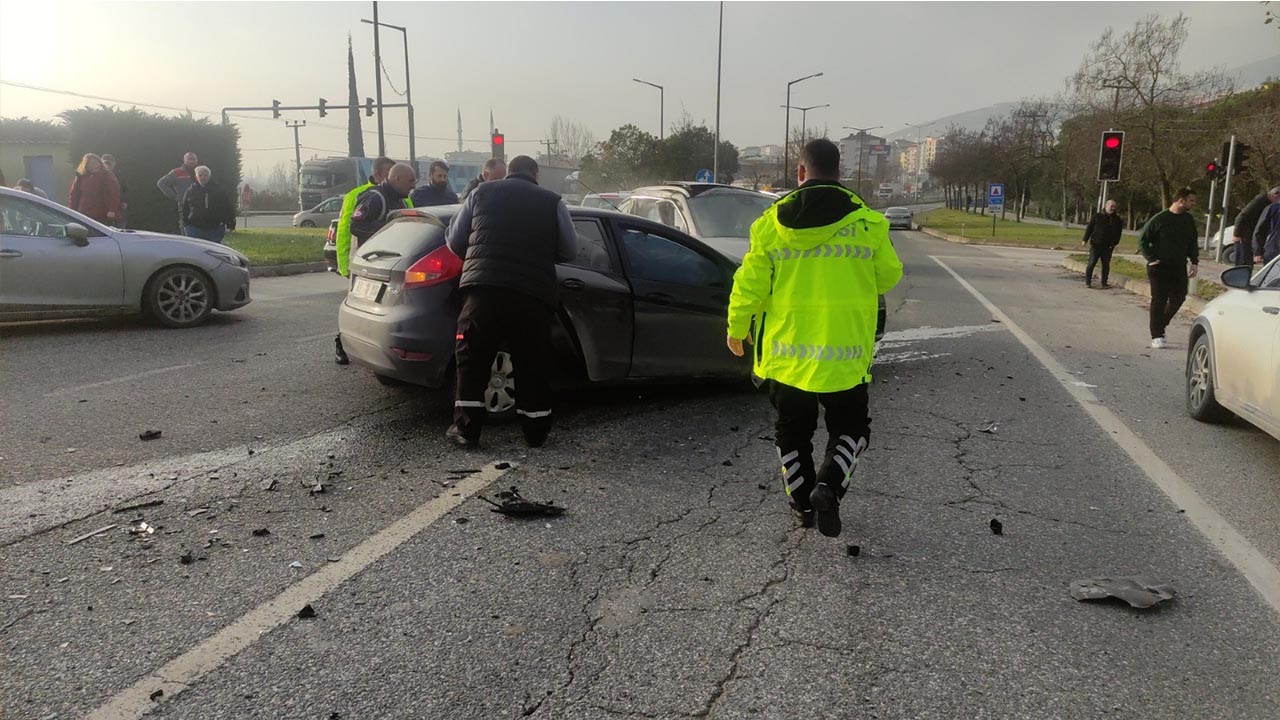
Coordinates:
x,y
180,296
306,224
1201,401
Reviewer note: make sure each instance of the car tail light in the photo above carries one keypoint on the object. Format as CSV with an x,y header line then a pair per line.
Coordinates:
x,y
331,235
437,267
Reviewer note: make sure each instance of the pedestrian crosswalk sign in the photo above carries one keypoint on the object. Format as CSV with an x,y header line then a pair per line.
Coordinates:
x,y
995,194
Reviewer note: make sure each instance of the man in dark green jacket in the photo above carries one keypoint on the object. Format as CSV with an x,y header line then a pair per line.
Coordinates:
x,y
1169,241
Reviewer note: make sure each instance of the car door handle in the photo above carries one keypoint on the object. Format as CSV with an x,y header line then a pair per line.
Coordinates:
x,y
573,284
9,253
1271,310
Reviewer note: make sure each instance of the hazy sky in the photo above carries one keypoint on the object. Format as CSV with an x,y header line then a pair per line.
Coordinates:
x,y
884,63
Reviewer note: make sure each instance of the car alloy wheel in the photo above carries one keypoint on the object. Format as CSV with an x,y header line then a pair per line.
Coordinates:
x,y
182,297
500,396
1199,379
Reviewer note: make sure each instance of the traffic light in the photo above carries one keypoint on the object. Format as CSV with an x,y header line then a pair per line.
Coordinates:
x,y
1110,155
275,109
368,107
1213,171
497,144
1242,156
323,111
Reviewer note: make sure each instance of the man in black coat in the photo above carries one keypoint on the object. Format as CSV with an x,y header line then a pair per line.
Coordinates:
x,y
1247,222
494,169
510,234
437,190
1103,235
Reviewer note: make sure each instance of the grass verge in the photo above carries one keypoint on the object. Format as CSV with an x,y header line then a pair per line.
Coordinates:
x,y
1009,232
1205,289
279,246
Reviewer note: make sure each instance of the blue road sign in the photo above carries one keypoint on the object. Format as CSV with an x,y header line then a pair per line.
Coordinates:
x,y
704,176
995,194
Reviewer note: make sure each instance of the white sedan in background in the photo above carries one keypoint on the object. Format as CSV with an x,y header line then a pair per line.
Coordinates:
x,y
1233,361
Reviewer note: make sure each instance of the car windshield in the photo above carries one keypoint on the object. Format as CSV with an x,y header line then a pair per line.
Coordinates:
x,y
725,213
316,179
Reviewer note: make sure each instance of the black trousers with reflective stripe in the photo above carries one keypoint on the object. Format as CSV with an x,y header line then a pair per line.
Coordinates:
x,y
494,319
848,419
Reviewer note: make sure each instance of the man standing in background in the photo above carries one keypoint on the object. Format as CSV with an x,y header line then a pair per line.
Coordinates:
x,y
1169,241
1103,235
177,181
342,242
436,191
494,169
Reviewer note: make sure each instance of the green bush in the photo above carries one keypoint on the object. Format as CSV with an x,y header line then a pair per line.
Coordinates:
x,y
147,146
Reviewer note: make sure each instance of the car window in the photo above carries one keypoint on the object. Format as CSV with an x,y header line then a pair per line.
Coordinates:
x,y
727,213
593,254
29,219
1271,281
653,257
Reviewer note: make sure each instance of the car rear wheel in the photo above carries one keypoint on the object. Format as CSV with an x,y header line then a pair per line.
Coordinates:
x,y
179,297
307,223
1201,403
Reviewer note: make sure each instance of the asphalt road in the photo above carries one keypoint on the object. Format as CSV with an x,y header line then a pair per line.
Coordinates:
x,y
676,585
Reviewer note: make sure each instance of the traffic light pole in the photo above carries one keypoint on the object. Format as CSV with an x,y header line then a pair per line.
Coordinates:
x,y
1226,199
1208,223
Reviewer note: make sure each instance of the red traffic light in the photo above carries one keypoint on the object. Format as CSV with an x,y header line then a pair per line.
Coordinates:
x,y
1111,142
1211,167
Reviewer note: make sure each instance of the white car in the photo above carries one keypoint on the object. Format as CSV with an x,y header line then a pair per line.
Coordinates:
x,y
1233,364
320,215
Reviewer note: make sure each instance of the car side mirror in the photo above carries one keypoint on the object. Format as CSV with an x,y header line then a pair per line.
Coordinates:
x,y
1237,277
77,233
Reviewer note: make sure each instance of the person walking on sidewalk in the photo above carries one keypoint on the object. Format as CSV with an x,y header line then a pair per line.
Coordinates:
x,y
1103,235
806,295
510,234
1170,241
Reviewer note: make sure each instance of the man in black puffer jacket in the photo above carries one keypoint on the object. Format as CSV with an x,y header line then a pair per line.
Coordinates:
x,y
510,234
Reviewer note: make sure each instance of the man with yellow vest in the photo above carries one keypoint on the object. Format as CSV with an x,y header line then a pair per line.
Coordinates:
x,y
807,297
342,240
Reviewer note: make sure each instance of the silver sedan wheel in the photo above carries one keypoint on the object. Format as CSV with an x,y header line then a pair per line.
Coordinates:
x,y
1199,380
500,396
183,297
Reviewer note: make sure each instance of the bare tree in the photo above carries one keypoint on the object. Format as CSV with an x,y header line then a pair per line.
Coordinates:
x,y
572,140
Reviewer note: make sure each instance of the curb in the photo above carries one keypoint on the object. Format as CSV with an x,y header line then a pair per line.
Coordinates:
x,y
1141,288
291,269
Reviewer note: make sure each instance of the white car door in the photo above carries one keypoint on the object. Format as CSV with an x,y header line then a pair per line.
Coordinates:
x,y
1268,295
42,271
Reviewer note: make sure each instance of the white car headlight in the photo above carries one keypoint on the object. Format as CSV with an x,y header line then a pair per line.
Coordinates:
x,y
228,258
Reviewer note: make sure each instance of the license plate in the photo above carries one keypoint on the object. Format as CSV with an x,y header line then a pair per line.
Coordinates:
x,y
366,289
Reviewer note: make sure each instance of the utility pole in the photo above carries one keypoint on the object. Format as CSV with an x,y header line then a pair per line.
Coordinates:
x,y
1226,197
786,137
377,72
715,153
408,90
548,143
862,144
662,101
297,153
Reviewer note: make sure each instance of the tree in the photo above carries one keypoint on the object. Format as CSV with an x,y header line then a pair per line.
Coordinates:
x,y
355,136
628,159
690,148
278,180
572,141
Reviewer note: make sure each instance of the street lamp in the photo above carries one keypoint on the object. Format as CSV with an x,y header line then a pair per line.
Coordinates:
x,y
919,153
862,144
408,93
661,102
786,137
804,114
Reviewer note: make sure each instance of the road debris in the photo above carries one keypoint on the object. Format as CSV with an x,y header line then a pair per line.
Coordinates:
x,y
996,527
261,532
186,558
514,505
142,528
156,695
458,472
727,463
317,489
86,536
316,536
295,565
461,521
137,506
307,612
990,428
853,550
502,466
1139,592
268,484
150,435
197,512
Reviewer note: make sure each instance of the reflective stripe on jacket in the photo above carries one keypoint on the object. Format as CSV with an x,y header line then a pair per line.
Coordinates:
x,y
812,296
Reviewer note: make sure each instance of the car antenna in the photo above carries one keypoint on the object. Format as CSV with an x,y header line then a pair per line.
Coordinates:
x,y
593,192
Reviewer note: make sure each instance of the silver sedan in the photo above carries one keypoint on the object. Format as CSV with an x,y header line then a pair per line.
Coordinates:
x,y
56,263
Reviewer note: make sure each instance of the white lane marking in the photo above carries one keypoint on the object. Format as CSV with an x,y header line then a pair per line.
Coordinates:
x,y
183,671
322,336
122,379
918,334
1241,553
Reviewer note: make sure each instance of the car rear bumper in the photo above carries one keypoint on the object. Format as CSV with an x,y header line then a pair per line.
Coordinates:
x,y
233,286
371,341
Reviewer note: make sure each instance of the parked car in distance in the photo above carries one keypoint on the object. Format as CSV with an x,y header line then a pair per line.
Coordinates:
x,y
604,201
1233,356
899,218
320,214
56,263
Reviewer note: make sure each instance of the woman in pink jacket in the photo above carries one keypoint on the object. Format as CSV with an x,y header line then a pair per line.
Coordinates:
x,y
95,191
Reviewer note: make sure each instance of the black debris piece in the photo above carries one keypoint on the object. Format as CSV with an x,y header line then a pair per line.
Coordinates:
x,y
261,532
156,695
502,466
316,536
269,484
996,527
733,428
853,550
251,451
762,486
307,612
1139,592
187,558
138,506
464,472
564,467
461,520
727,463
150,435
514,505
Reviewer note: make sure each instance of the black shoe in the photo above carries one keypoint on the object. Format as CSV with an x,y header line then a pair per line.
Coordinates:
x,y
535,441
340,355
1089,285
1105,284
826,508
455,436
805,516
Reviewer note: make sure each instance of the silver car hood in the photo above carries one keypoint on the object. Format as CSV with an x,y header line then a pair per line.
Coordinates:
x,y
734,248
193,244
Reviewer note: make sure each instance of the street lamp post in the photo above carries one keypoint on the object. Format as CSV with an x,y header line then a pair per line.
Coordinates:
x,y
408,92
862,144
786,137
804,114
661,103
919,153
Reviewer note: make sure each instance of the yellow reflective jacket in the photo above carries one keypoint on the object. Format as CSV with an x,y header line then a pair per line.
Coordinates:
x,y
813,295
342,239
